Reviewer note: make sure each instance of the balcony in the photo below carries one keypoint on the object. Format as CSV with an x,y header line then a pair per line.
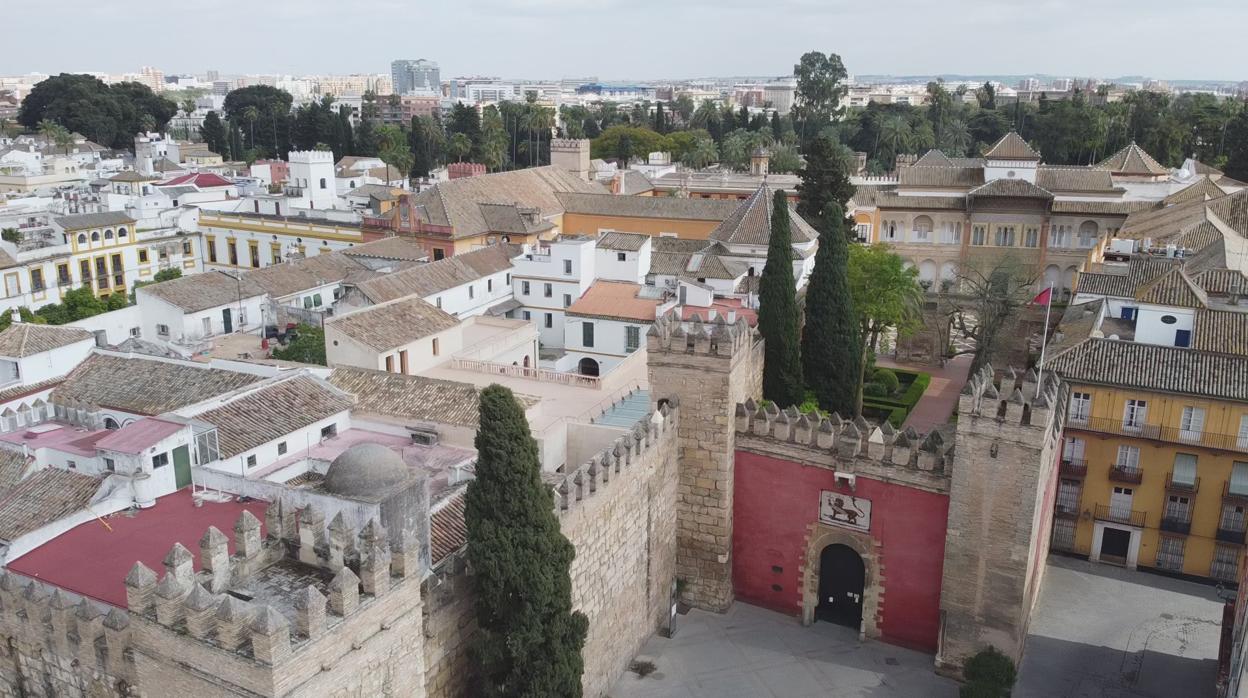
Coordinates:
x,y
1066,510
1154,432
1176,524
1127,474
1074,467
1129,517
1230,535
1182,487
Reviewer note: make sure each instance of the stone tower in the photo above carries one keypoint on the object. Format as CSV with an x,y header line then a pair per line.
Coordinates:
x,y
1000,513
706,368
571,154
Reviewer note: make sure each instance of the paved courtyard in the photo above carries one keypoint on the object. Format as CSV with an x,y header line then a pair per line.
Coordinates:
x,y
1107,632
750,652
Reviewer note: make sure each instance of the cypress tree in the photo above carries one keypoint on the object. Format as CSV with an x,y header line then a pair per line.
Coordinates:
x,y
528,640
830,346
778,319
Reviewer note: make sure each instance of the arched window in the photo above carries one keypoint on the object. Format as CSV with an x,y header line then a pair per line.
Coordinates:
x,y
923,229
121,232
1087,233
353,184
95,236
322,182
82,238
110,423
108,234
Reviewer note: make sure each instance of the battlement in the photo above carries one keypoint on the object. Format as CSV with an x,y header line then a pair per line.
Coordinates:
x,y
1020,399
310,156
848,439
574,144
232,602
598,472
715,338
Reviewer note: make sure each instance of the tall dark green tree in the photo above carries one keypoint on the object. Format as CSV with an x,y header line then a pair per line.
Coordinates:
x,y
107,114
831,348
779,320
213,133
270,129
825,181
660,120
528,640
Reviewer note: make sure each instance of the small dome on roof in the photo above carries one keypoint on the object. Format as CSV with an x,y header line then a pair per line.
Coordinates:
x,y
365,469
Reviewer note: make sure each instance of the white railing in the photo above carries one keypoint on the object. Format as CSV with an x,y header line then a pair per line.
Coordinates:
x,y
532,373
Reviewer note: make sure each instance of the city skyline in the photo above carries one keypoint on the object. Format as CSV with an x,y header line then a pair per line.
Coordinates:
x,y
618,41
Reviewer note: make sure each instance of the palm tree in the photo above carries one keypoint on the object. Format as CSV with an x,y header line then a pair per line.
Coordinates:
x,y
705,114
55,133
544,120
956,137
188,106
702,154
251,115
895,133
459,146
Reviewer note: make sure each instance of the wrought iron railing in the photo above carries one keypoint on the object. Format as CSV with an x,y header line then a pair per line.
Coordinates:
x,y
1125,473
1156,432
1074,467
1130,517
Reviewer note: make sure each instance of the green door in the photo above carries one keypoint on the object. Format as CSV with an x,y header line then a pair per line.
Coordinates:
x,y
182,466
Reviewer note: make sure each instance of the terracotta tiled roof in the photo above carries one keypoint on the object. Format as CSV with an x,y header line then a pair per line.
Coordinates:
x,y
1102,208
1013,188
1011,146
1075,179
272,412
623,242
42,498
933,157
1202,189
24,339
750,224
893,200
1155,367
203,291
287,278
84,221
131,176
1221,331
392,248
447,531
647,206
615,300
13,466
865,195
413,397
1132,160
1116,285
941,177
394,324
1222,281
1173,288
145,386
424,280
513,219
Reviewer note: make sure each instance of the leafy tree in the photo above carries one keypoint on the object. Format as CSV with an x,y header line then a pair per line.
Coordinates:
x,y
308,346
660,120
701,153
6,318
987,96
528,640
427,143
494,142
460,146
820,88
12,235
212,131
886,296
737,147
778,316
992,294
784,159
394,149
640,141
831,348
106,114
825,183
465,120
265,110
1237,147
684,107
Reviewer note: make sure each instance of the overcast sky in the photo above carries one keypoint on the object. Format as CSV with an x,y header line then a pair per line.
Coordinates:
x,y
620,39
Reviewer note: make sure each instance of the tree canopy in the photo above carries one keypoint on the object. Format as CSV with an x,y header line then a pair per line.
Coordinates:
x,y
779,319
263,112
110,115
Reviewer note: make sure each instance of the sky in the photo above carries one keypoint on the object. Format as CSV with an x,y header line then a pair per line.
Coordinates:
x,y
637,39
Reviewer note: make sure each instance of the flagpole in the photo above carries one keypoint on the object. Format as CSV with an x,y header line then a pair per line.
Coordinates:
x,y
1044,340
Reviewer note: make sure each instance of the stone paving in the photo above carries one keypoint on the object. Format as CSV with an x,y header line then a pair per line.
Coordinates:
x,y
938,402
1101,631
750,652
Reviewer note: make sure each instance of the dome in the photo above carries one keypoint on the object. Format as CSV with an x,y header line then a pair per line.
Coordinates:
x,y
365,469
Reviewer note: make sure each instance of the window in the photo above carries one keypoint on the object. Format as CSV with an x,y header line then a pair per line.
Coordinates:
x,y
281,448
162,330
567,266
389,364
84,268
160,460
1128,458
1059,236
567,299
1192,423
979,234
121,232
550,320
1239,479
186,247
110,465
524,288
82,239
36,280
1232,518
233,250
1068,497
1073,450
1080,405
1225,563
1170,553
71,464
526,315
620,257
489,285
403,362
95,236
438,253
587,334
316,300
548,290
255,254
62,274
1133,414
1031,237
251,461
1004,236
322,182
1178,508
1184,469
951,234
329,431
863,231
1242,440
211,243
632,338
1063,534
275,252
472,292
435,346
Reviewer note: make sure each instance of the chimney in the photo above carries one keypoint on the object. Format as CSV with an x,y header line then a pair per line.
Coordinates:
x,y
16,316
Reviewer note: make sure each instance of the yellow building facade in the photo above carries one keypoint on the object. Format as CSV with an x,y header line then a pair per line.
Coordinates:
x,y
1156,480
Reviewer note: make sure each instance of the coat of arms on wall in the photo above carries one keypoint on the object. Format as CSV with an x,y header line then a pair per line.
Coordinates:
x,y
845,510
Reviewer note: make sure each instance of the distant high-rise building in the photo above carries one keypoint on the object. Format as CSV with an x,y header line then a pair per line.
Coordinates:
x,y
415,76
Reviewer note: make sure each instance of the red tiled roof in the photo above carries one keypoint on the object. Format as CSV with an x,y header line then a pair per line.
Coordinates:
x,y
616,300
203,180
447,530
93,559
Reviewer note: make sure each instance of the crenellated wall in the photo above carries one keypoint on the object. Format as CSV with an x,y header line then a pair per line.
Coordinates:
x,y
1009,438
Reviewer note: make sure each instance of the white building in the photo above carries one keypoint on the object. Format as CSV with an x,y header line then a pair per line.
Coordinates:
x,y
188,311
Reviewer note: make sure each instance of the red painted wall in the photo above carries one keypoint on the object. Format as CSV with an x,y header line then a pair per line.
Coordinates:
x,y
775,501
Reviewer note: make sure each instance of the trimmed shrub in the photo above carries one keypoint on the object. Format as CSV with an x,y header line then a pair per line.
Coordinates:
x,y
991,667
886,378
874,390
